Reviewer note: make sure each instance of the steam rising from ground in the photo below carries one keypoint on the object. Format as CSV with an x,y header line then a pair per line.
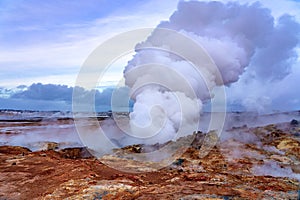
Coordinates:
x,y
271,168
235,37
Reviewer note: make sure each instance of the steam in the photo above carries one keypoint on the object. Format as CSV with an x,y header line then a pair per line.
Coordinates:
x,y
271,168
235,37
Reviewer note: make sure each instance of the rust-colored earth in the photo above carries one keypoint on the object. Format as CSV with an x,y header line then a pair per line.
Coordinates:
x,y
264,167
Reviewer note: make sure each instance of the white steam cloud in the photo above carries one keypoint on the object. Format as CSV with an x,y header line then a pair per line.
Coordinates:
x,y
235,36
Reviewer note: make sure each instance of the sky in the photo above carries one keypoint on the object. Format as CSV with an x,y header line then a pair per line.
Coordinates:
x,y
48,41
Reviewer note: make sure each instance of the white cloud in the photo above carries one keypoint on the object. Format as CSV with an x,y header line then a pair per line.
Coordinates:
x,y
54,59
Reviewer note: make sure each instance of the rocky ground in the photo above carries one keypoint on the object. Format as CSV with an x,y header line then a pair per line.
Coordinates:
x,y
246,163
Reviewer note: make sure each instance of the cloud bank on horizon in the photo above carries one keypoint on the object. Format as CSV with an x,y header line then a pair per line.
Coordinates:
x,y
51,97
255,48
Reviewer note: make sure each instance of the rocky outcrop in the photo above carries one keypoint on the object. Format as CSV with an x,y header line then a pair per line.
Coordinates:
x,y
76,153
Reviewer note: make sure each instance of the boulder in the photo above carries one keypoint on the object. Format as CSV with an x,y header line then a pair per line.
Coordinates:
x,y
294,122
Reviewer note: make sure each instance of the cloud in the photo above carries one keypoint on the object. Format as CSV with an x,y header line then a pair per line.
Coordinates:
x,y
59,97
277,7
254,94
46,92
275,60
53,38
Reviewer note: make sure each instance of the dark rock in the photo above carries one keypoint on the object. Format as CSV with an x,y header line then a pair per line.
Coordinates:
x,y
76,153
178,162
294,122
109,113
136,148
296,134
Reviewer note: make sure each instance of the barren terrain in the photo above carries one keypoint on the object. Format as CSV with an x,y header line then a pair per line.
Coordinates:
x,y
247,163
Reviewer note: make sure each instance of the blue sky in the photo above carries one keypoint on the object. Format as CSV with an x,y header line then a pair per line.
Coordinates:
x,y
25,22
48,41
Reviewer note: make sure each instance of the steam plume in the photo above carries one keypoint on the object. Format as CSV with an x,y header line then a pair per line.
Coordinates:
x,y
235,36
